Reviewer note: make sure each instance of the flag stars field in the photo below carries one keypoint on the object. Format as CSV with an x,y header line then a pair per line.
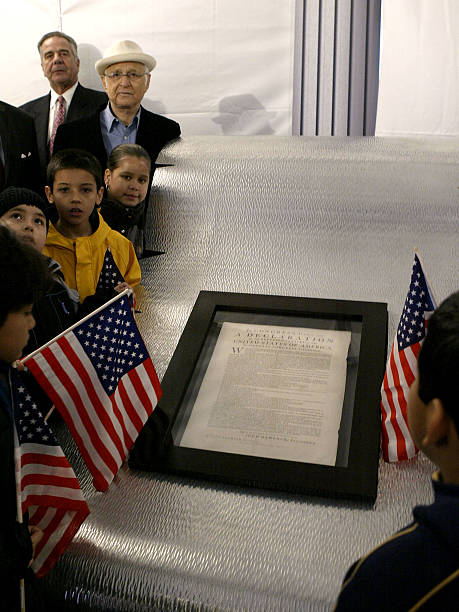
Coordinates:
x,y
104,390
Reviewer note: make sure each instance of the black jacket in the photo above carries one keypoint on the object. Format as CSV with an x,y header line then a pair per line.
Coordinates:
x,y
15,543
84,102
126,220
17,132
54,312
418,564
153,133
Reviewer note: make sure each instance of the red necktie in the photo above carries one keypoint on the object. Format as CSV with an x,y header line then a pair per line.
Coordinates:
x,y
59,116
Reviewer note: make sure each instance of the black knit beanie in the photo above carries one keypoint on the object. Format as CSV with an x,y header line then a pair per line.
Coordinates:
x,y
14,196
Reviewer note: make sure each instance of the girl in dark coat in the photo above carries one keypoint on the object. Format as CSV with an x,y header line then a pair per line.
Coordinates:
x,y
126,180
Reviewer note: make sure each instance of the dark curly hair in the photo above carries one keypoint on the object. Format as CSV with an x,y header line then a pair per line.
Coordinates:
x,y
438,361
24,274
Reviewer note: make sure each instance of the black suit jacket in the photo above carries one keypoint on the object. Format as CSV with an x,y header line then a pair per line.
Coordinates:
x,y
20,149
153,133
84,102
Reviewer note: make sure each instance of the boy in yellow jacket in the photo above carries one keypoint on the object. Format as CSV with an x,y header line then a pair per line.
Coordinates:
x,y
78,237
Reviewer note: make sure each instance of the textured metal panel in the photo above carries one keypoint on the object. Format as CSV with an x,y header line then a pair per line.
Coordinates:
x,y
326,217
310,66
336,67
357,68
341,79
372,66
298,60
326,67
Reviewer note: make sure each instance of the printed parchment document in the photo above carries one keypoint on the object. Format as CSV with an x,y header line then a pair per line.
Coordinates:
x,y
272,391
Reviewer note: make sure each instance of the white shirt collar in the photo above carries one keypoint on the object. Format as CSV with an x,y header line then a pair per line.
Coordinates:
x,y
67,95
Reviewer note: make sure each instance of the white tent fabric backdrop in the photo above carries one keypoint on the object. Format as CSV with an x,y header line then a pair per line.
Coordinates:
x,y
419,79
224,66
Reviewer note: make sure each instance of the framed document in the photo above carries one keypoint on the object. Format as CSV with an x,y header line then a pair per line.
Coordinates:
x,y
274,392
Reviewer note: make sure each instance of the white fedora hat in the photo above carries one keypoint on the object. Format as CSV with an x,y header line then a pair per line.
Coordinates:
x,y
124,51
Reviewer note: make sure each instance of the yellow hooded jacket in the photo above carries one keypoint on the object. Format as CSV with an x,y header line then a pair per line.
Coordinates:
x,y
81,259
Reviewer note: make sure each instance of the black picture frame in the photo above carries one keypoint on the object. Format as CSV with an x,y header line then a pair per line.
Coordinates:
x,y
356,478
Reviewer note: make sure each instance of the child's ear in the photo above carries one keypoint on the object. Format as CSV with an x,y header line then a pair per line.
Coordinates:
x,y
438,424
49,194
107,175
100,195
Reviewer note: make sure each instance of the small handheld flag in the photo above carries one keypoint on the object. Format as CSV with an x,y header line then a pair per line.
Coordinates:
x,y
101,379
49,489
397,443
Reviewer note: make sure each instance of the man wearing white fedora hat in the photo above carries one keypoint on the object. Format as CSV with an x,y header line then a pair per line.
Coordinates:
x,y
125,73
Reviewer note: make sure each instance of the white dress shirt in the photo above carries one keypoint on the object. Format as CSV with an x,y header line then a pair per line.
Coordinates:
x,y
67,95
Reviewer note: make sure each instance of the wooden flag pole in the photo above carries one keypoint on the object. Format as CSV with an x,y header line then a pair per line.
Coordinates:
x,y
17,477
49,413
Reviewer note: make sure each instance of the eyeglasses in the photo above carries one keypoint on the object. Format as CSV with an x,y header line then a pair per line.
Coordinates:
x,y
131,75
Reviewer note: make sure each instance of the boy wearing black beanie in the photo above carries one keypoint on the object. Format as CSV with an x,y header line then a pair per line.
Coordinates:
x,y
27,214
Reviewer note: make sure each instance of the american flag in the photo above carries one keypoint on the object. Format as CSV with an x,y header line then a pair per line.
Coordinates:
x,y
109,275
49,488
397,443
101,379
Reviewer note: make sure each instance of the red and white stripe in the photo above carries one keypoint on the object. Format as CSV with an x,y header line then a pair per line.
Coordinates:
x,y
400,373
51,493
103,426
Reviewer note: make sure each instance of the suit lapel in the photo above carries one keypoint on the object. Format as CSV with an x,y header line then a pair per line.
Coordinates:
x,y
5,135
77,104
96,136
41,127
149,136
83,104
15,143
146,131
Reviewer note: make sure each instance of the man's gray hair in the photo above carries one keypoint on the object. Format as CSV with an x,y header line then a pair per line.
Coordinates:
x,y
68,38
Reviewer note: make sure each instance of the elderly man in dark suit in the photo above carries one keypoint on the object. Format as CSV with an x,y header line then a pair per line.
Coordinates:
x,y
19,166
67,100
125,73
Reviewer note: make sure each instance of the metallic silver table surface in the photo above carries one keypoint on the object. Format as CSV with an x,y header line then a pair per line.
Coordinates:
x,y
327,217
